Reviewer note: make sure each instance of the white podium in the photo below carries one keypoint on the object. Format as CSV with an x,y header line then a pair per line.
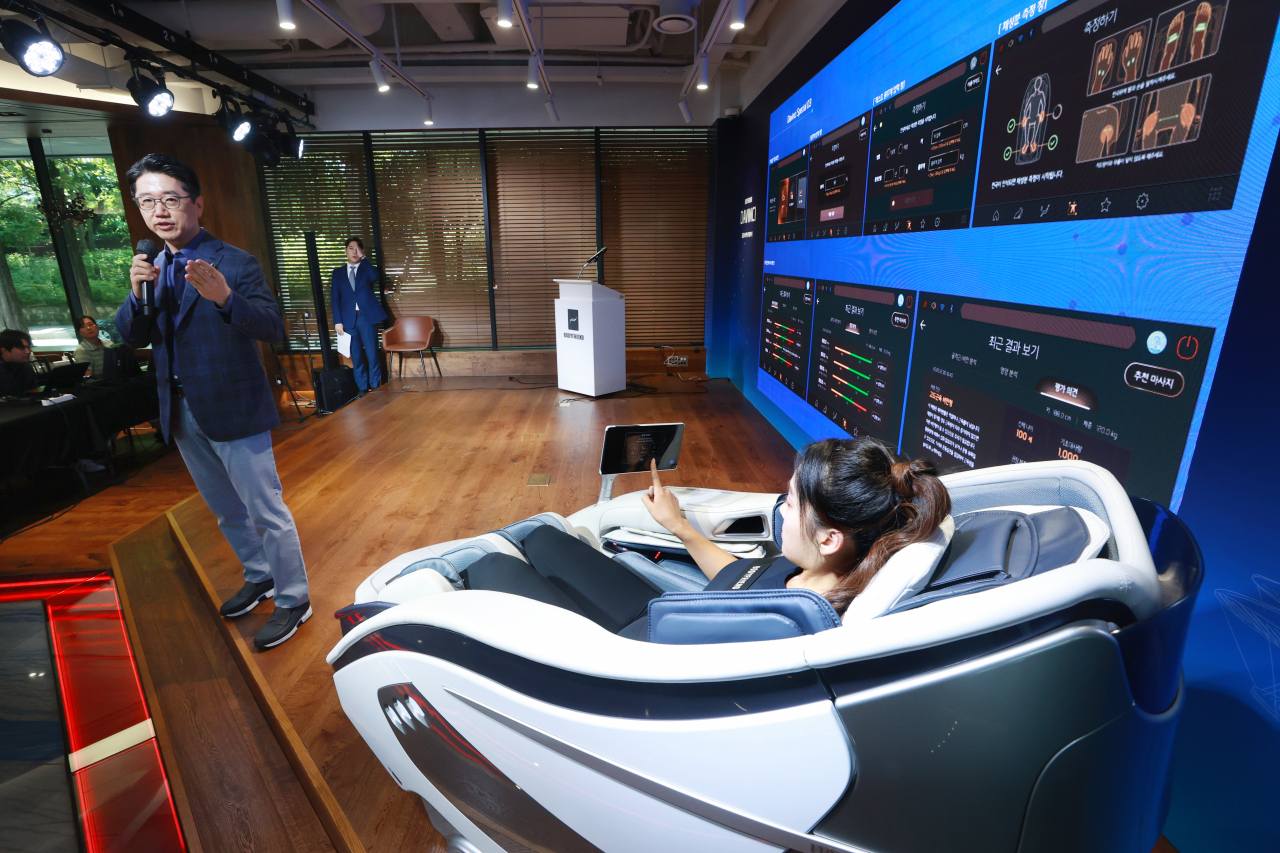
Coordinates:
x,y
591,338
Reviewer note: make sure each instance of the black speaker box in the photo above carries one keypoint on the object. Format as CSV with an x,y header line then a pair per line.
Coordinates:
x,y
334,388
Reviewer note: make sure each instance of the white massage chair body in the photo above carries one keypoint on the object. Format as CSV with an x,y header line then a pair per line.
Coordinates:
x,y
1023,713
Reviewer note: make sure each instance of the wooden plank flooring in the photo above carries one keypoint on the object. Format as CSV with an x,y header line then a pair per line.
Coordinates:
x,y
79,539
234,788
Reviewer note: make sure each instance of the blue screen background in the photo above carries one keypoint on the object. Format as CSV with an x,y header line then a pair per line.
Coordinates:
x,y
1180,268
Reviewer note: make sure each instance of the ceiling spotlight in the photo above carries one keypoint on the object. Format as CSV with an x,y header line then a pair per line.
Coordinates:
x,y
737,14
685,111
375,65
284,10
261,137
427,119
242,129
150,94
505,13
704,72
230,119
551,110
35,50
292,142
532,79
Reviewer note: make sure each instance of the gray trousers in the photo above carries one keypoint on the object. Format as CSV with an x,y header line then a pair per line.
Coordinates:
x,y
239,483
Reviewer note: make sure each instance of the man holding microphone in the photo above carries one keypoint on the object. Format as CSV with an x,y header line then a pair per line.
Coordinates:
x,y
202,307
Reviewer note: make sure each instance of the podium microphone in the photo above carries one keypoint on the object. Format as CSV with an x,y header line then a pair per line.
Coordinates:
x,y
603,249
150,249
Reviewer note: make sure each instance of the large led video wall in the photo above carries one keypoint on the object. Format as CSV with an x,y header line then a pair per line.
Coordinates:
x,y
1002,233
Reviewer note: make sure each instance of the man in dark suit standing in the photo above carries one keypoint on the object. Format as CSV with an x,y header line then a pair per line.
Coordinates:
x,y
211,307
358,311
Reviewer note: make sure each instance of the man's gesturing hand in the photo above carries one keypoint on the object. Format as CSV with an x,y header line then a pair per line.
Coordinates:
x,y
139,272
661,503
211,283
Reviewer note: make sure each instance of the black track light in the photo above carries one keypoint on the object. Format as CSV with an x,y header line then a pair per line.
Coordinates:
x,y
35,50
232,121
293,143
264,139
150,94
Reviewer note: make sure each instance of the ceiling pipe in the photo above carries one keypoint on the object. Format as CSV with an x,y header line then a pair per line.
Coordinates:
x,y
525,26
327,13
316,59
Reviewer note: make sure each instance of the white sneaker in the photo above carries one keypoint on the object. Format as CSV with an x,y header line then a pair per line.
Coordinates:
x,y
86,466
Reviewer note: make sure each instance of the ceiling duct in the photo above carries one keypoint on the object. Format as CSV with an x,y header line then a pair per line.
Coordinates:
x,y
675,17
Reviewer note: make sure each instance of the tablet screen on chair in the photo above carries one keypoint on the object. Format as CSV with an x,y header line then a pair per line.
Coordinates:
x,y
629,448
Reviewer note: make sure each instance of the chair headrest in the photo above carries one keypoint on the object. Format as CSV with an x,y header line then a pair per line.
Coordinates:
x,y
903,576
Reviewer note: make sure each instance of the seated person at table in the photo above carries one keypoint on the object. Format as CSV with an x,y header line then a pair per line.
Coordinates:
x,y
92,348
17,375
850,506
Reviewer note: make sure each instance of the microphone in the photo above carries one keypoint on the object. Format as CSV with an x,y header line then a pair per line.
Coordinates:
x,y
150,249
603,249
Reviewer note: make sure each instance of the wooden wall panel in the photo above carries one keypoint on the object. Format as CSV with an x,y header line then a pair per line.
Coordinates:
x,y
228,178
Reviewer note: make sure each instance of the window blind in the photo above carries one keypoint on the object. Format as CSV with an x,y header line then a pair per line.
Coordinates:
x,y
542,207
431,209
654,211
327,192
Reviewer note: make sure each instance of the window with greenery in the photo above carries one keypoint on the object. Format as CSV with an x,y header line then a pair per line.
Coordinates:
x,y
88,214
97,237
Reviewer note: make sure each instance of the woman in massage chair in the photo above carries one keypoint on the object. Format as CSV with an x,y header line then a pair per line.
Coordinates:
x,y
851,505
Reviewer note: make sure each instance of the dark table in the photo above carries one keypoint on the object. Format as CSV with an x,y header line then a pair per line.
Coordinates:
x,y
35,437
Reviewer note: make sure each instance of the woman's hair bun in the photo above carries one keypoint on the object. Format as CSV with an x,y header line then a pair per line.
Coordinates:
x,y
903,474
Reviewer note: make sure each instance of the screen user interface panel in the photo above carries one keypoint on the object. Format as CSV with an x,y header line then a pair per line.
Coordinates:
x,y
839,173
1002,383
784,338
857,372
1132,137
924,151
1143,109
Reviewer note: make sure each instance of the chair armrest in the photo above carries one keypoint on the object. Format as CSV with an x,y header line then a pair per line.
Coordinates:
x,y
696,618
558,638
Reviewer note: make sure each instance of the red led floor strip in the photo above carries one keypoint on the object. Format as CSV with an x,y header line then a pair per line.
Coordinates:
x,y
123,792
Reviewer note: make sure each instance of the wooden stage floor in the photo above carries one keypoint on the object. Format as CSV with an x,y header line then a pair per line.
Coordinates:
x,y
396,470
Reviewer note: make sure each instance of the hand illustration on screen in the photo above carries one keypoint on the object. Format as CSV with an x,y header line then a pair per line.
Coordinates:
x,y
1102,66
1131,59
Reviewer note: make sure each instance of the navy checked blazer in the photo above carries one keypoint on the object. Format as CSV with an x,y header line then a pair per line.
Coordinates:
x,y
222,376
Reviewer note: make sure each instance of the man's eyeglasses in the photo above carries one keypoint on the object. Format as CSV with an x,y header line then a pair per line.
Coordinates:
x,y
171,202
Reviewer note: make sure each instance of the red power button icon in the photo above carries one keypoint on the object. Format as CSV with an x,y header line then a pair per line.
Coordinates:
x,y
1187,348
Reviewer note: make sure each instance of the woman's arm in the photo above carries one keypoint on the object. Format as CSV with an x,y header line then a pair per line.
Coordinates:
x,y
665,509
